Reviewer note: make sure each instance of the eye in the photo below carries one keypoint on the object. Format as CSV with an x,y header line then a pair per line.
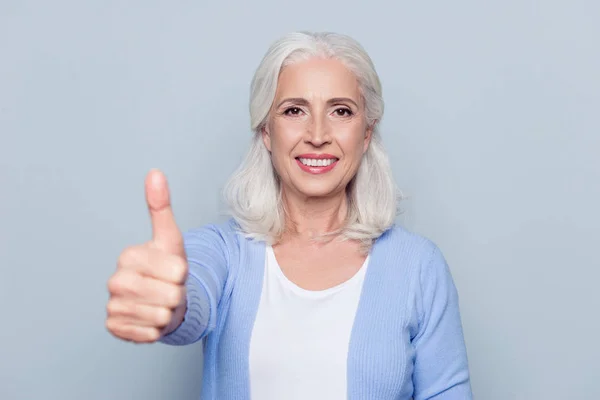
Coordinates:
x,y
293,111
343,112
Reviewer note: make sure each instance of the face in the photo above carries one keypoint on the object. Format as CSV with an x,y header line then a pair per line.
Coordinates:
x,y
317,131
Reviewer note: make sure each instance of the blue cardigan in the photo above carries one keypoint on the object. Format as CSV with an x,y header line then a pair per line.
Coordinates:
x,y
406,342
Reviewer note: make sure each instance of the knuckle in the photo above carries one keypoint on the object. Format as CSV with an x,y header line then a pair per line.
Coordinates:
x,y
173,296
180,294
152,335
180,271
122,283
129,257
115,284
162,316
133,310
111,325
112,308
119,308
125,257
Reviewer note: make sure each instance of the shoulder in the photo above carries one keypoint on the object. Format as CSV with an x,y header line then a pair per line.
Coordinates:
x,y
422,257
417,254
225,235
422,260
400,242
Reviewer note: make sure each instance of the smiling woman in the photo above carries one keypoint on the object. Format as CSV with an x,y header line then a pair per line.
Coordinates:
x,y
319,108
309,291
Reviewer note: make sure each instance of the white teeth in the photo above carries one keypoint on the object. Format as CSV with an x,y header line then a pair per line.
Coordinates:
x,y
312,162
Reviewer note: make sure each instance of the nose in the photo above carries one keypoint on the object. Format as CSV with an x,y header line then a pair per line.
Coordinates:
x,y
318,131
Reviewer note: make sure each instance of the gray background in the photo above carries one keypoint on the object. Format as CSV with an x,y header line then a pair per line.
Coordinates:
x,y
492,123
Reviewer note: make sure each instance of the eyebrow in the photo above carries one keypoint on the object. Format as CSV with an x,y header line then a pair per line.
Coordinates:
x,y
303,102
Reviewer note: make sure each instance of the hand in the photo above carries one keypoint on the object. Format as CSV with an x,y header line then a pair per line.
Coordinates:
x,y
147,292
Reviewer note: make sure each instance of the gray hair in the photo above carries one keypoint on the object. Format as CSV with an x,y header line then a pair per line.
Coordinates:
x,y
253,193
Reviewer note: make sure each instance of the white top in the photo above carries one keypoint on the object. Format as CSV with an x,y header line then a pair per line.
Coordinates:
x,y
300,337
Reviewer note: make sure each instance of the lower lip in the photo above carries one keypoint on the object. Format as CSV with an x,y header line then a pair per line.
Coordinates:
x,y
316,170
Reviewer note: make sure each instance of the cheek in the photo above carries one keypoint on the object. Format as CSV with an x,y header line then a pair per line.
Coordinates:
x,y
281,148
278,148
353,143
286,136
277,159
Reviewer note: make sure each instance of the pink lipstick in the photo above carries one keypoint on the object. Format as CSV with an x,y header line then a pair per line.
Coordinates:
x,y
316,163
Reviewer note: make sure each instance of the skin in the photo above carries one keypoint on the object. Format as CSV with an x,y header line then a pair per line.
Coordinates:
x,y
317,108
147,291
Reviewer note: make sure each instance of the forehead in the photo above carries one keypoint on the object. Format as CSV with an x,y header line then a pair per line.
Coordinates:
x,y
317,77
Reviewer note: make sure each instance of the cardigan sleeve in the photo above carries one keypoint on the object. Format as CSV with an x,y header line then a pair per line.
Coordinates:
x,y
440,367
208,259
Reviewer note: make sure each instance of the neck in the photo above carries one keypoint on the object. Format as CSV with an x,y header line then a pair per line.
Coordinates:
x,y
307,217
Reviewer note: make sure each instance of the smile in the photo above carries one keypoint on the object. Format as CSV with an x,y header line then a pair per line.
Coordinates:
x,y
313,162
317,165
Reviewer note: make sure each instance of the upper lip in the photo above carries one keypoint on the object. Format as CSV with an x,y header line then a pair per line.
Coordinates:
x,y
317,156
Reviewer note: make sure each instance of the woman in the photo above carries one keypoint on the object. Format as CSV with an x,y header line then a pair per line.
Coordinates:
x,y
310,291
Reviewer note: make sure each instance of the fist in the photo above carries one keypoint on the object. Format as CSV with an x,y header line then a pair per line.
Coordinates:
x,y
147,291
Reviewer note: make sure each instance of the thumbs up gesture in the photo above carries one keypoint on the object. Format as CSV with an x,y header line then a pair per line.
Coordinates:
x,y
147,291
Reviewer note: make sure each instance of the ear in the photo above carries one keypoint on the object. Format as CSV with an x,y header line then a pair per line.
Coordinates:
x,y
266,136
368,136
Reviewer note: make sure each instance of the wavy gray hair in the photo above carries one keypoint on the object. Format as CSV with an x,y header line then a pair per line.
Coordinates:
x,y
253,193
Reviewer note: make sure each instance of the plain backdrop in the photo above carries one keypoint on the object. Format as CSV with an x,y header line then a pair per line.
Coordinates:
x,y
492,124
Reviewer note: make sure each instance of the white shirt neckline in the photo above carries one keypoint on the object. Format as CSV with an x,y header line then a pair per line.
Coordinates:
x,y
317,294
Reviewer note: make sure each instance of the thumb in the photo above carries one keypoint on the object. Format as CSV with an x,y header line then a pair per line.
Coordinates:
x,y
165,233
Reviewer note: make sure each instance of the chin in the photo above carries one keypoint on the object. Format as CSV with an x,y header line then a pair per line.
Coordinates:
x,y
318,189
